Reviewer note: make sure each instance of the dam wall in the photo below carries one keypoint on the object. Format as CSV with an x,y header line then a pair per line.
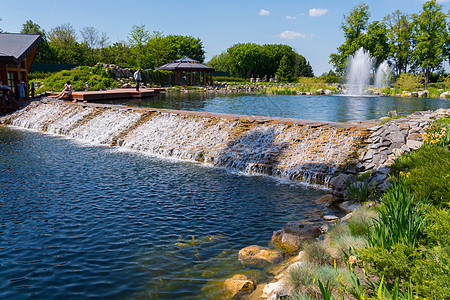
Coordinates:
x,y
299,150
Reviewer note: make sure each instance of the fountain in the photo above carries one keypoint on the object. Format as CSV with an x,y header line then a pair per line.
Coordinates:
x,y
382,77
359,72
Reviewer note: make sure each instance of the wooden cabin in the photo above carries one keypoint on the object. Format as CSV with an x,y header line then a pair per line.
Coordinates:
x,y
17,52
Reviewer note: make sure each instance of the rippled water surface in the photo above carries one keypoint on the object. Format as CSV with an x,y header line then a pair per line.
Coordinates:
x,y
319,108
78,221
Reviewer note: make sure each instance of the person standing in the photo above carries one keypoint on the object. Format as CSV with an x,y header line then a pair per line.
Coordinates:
x,y
21,88
137,78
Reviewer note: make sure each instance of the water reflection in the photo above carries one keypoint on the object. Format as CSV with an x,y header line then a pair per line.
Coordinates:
x,y
339,108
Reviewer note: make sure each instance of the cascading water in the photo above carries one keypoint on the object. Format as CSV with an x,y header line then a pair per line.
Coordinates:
x,y
383,75
359,72
308,152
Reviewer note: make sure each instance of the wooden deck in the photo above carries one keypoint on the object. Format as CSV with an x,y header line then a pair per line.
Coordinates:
x,y
112,94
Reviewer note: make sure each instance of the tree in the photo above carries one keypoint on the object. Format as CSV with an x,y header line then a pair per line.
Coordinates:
x,y
353,26
93,40
138,39
44,53
376,42
186,46
399,38
284,71
430,36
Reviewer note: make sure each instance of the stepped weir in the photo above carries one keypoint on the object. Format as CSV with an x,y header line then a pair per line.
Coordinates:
x,y
304,151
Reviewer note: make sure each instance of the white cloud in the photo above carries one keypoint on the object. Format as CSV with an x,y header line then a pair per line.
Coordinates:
x,y
317,12
263,12
290,18
291,35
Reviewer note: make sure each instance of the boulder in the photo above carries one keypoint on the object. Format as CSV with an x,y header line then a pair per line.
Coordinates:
x,y
412,144
349,206
339,183
238,285
259,256
445,95
294,234
328,198
276,290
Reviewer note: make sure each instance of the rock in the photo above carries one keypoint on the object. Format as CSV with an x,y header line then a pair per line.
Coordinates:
x,y
445,95
346,217
349,206
328,198
339,182
259,256
294,234
414,145
239,285
275,290
324,228
330,218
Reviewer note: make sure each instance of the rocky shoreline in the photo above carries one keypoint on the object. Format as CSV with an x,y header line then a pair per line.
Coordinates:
x,y
387,141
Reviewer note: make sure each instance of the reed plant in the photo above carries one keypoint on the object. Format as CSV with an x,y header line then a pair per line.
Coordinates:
x,y
400,217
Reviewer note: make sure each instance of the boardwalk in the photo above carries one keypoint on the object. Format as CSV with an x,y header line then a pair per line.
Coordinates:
x,y
112,94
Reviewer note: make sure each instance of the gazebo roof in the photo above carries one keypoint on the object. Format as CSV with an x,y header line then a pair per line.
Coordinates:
x,y
14,47
185,64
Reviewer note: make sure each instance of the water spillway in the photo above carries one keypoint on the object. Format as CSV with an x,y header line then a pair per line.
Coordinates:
x,y
299,150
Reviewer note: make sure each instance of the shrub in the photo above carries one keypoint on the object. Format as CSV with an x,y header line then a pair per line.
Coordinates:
x,y
409,82
428,173
391,263
431,274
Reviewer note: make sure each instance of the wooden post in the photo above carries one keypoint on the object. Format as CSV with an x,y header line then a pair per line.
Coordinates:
x,y
211,78
190,75
204,77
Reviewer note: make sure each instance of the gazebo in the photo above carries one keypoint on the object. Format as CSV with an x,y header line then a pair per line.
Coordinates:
x,y
17,52
188,65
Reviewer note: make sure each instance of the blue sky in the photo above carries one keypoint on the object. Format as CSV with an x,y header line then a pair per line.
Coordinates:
x,y
312,28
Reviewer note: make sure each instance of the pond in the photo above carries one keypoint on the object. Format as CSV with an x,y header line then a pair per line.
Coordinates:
x,y
81,221
336,108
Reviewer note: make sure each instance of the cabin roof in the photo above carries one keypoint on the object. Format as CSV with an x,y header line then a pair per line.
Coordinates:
x,y
15,47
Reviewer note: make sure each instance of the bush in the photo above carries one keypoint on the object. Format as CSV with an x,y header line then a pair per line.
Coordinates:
x,y
428,173
431,273
229,79
409,82
390,263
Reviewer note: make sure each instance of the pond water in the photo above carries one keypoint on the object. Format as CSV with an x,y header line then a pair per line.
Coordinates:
x,y
80,221
338,108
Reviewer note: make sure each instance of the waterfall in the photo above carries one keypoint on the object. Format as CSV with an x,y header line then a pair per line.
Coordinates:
x,y
383,75
302,151
359,72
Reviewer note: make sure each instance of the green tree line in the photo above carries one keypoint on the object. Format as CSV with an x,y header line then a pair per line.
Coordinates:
x,y
141,50
247,60
417,43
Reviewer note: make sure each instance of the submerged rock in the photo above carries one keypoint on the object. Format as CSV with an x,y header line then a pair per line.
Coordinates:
x,y
259,256
238,285
294,234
